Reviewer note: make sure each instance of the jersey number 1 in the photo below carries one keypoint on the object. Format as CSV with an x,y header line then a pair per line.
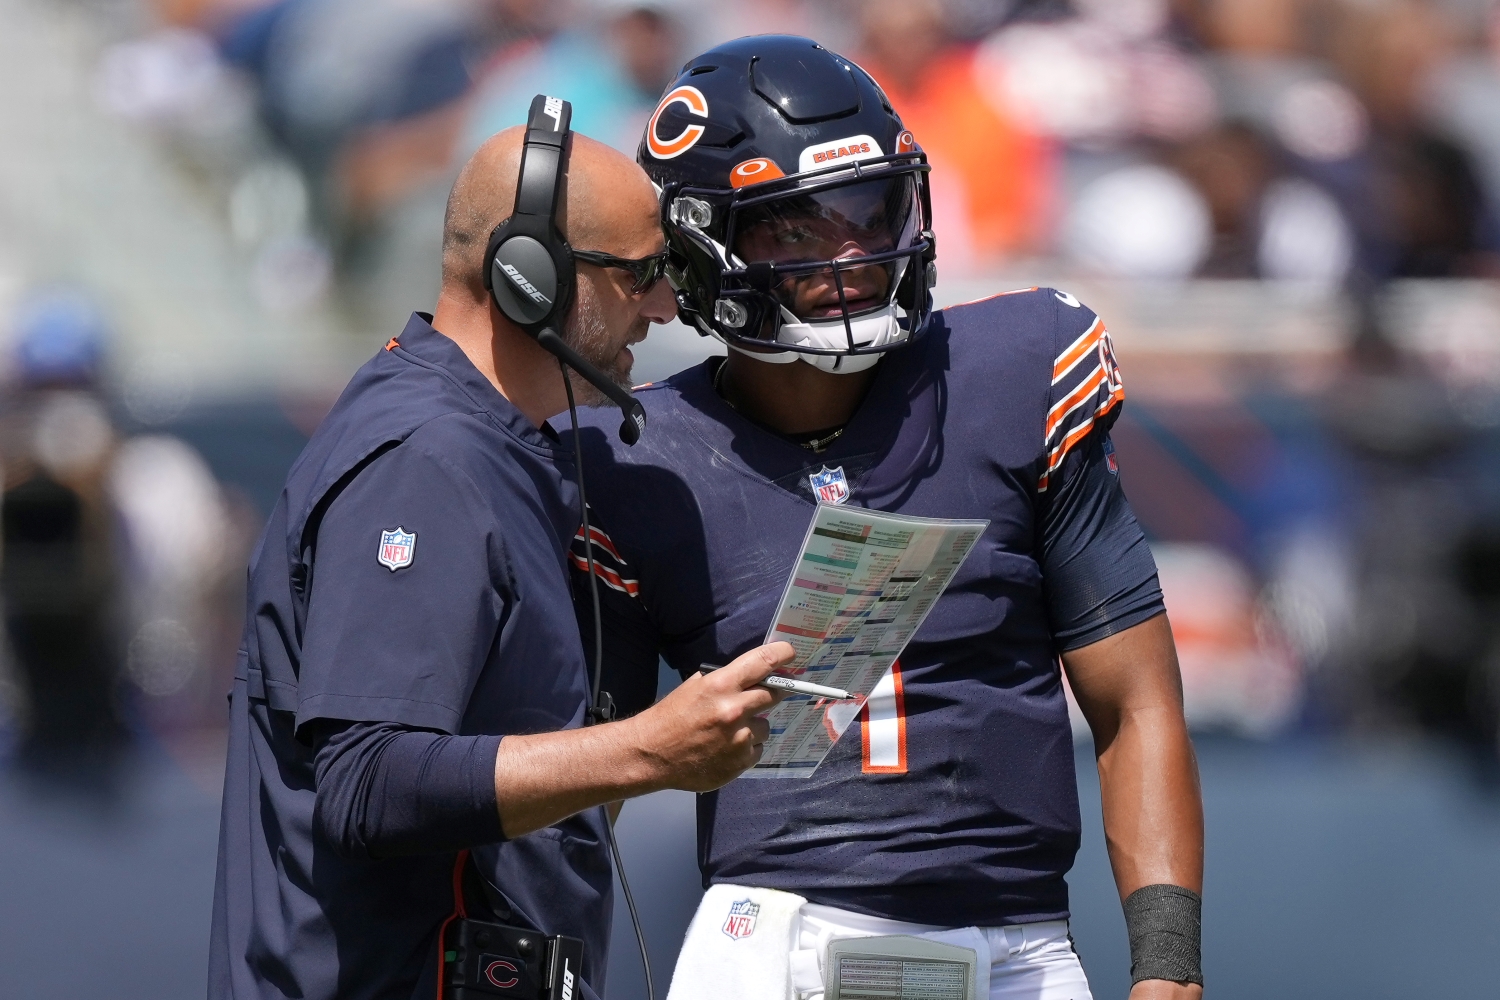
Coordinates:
x,y
882,725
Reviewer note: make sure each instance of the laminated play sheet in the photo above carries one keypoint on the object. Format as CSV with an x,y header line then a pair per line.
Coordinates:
x,y
862,585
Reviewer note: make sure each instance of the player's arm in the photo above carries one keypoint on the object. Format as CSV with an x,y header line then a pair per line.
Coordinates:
x,y
1130,691
1109,623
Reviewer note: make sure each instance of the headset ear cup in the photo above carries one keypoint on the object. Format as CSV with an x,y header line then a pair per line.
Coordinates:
x,y
487,268
528,266
525,281
567,278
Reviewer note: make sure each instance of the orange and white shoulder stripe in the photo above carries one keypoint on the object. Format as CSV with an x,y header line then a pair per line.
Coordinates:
x,y
1098,392
1077,351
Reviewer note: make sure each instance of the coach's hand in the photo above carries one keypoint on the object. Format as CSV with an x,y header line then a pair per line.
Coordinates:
x,y
699,737
1161,989
705,733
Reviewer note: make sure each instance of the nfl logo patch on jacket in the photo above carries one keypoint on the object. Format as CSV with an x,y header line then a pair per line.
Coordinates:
x,y
397,546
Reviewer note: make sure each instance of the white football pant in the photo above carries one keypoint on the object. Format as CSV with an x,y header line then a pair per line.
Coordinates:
x,y
750,943
1027,961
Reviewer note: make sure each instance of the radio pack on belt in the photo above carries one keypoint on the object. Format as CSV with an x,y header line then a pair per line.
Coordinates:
x,y
900,967
484,960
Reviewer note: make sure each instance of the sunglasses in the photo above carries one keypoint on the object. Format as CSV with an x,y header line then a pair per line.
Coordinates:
x,y
646,271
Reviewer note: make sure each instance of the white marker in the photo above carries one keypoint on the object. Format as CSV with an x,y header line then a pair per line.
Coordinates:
x,y
776,681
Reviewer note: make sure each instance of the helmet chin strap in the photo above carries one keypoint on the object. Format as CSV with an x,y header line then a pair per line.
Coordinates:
x,y
869,331
842,364
834,364
769,357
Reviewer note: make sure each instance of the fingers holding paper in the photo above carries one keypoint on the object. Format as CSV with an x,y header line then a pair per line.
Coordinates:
x,y
708,730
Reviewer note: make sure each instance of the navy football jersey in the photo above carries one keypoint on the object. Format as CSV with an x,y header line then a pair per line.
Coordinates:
x,y
952,800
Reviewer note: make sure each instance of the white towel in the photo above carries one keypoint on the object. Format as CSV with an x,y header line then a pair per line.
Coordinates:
x,y
738,946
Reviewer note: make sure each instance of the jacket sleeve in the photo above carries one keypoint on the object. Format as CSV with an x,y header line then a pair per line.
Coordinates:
x,y
385,790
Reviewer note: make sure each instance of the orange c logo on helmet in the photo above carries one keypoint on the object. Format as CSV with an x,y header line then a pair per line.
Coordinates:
x,y
906,142
697,104
753,172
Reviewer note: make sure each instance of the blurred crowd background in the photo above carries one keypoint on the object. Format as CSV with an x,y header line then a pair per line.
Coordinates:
x,y
1287,212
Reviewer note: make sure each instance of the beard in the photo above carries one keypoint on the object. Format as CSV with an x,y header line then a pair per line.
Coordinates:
x,y
588,334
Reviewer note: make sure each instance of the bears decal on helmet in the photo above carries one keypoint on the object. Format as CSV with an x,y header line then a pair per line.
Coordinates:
x,y
664,149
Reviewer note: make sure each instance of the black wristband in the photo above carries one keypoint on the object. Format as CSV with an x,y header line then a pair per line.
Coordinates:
x,y
1165,924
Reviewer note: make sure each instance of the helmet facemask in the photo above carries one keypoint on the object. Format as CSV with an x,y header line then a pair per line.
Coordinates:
x,y
829,266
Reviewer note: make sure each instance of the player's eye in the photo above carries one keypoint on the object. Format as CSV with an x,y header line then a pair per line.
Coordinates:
x,y
795,236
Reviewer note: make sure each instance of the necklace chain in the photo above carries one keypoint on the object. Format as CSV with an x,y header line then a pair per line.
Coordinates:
x,y
814,445
819,445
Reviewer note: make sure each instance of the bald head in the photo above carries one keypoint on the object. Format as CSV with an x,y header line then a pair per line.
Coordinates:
x,y
607,203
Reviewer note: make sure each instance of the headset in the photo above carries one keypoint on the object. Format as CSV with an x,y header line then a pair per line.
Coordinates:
x,y
529,270
530,275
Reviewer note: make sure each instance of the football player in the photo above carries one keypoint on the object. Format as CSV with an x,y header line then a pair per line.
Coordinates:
x,y
797,213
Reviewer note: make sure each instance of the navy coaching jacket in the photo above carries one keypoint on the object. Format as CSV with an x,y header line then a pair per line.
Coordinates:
x,y
414,572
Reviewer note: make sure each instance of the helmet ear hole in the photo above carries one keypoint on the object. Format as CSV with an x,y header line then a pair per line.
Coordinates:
x,y
694,212
731,313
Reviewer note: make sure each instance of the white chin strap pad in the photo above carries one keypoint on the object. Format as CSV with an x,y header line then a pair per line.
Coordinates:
x,y
878,330
837,364
842,364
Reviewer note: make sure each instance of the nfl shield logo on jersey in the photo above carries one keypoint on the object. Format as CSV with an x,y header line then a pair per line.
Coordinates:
x,y
741,920
397,546
830,486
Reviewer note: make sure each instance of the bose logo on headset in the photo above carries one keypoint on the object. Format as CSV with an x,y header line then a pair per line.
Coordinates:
x,y
553,109
567,983
523,284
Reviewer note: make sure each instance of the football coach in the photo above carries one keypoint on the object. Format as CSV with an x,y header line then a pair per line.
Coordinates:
x,y
407,742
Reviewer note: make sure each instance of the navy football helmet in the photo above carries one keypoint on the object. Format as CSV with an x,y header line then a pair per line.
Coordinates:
x,y
795,204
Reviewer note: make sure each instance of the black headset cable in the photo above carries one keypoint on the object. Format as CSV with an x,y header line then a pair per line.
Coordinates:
x,y
597,712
